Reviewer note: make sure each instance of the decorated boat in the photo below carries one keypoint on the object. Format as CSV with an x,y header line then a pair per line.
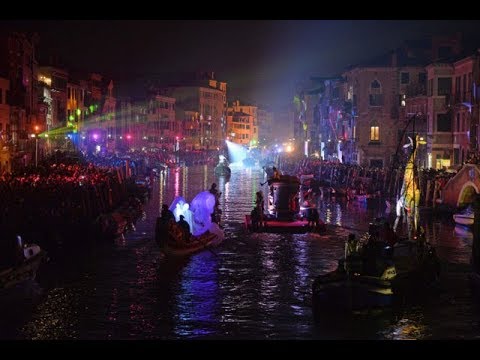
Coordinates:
x,y
465,217
374,274
192,229
25,268
288,210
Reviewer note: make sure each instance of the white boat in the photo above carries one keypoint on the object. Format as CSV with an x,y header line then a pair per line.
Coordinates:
x,y
465,217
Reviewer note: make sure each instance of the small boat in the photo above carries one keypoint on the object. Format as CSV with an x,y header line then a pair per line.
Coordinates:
x,y
362,281
465,217
26,270
222,168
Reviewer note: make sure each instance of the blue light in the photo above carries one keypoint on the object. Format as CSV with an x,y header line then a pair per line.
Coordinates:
x,y
237,153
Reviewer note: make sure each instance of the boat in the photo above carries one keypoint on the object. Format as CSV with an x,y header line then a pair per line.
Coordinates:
x,y
286,212
373,274
201,232
177,246
33,256
465,217
222,168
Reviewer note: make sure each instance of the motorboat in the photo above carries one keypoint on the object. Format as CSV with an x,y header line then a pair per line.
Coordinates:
x,y
25,268
465,217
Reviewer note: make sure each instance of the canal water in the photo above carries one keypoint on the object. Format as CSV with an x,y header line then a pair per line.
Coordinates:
x,y
252,286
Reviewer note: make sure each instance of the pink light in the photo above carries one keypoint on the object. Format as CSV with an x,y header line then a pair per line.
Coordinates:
x,y
129,137
95,136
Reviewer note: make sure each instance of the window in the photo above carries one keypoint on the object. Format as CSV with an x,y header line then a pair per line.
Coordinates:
x,y
374,133
376,99
404,78
376,96
430,87
422,78
444,86
458,122
444,123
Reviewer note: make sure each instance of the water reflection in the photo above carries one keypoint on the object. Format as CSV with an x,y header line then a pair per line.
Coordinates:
x,y
198,299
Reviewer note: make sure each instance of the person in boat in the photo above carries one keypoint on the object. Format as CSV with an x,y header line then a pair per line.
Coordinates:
x,y
313,218
162,224
214,191
185,228
371,251
255,219
276,174
389,237
216,210
167,214
260,206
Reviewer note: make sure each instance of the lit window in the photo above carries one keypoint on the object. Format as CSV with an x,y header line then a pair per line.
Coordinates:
x,y
374,133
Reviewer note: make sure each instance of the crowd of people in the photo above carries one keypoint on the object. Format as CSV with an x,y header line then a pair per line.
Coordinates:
x,y
63,194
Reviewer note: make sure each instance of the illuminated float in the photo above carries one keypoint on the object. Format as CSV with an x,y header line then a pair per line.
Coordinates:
x,y
288,209
203,232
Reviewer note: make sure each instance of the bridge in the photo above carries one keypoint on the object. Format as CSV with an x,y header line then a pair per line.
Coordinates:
x,y
461,189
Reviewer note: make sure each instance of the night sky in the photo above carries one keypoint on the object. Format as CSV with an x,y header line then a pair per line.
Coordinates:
x,y
259,59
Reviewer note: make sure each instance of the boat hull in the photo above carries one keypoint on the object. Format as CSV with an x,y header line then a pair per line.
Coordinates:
x,y
194,245
299,226
464,220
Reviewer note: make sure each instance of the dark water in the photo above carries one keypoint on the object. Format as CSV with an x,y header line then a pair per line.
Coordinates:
x,y
252,286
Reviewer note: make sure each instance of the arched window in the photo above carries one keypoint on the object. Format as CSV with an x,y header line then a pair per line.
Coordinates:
x,y
376,96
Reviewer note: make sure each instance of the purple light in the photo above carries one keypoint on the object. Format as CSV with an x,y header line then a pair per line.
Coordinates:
x,y
95,136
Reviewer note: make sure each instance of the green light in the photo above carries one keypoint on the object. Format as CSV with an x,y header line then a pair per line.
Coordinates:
x,y
92,108
79,112
71,118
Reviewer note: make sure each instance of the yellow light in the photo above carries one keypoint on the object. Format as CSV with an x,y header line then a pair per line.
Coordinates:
x,y
32,135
